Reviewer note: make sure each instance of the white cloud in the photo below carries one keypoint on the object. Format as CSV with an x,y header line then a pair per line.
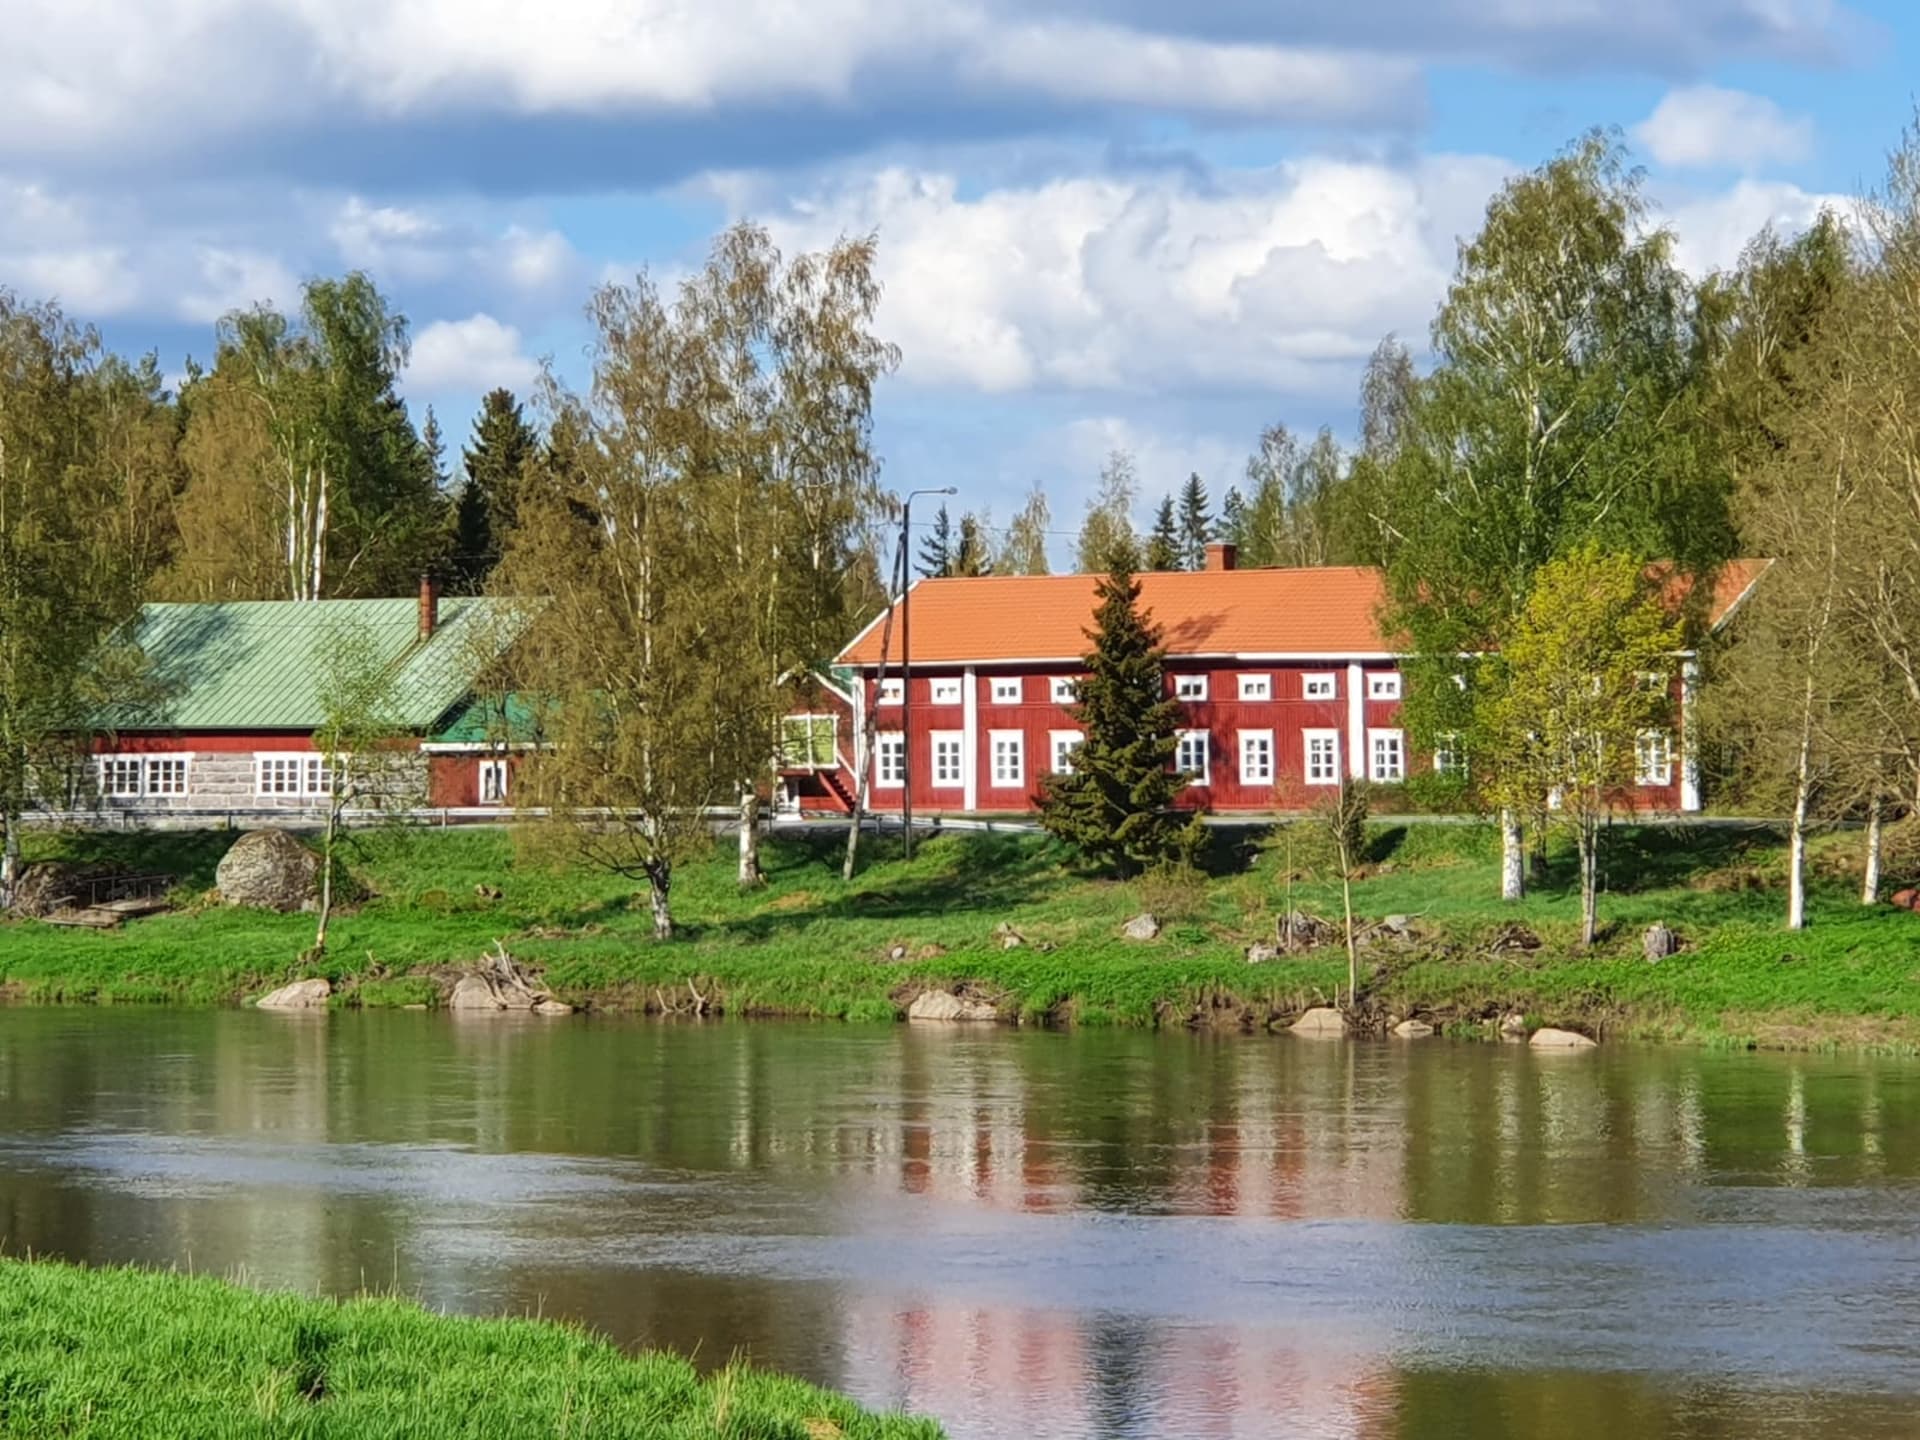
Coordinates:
x,y
231,279
474,354
1706,127
1711,230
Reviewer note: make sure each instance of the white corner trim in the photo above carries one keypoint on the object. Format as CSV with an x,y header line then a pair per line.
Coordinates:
x,y
970,728
1356,721
1689,743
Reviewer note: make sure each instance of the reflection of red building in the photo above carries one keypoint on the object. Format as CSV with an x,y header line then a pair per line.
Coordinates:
x,y
1287,679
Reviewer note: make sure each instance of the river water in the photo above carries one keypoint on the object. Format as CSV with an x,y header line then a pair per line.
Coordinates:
x,y
1031,1234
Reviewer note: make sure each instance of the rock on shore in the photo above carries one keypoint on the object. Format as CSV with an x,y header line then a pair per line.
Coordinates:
x,y
941,1005
1321,1020
1547,1038
300,995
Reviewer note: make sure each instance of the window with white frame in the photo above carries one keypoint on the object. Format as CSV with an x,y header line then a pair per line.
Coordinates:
x,y
1006,691
945,692
493,782
1323,686
1256,757
1191,756
1386,756
128,777
893,690
120,776
1189,687
1008,751
1322,757
1653,758
166,775
1063,743
319,775
302,776
1449,758
890,759
949,759
1256,687
1384,686
1064,690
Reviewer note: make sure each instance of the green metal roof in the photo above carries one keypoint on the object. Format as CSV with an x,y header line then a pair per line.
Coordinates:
x,y
490,720
254,665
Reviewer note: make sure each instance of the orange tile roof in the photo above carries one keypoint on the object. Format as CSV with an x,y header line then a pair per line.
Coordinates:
x,y
1329,610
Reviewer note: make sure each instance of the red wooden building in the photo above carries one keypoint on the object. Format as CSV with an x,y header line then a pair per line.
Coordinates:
x,y
1285,675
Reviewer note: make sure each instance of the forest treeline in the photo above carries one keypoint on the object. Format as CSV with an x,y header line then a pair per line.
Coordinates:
x,y
704,518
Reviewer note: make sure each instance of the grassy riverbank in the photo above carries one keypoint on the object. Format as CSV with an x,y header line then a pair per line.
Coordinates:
x,y
148,1356
809,945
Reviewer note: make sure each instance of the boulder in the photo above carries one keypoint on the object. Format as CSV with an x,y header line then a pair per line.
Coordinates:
x,y
940,1005
50,885
1547,1038
1413,1030
1658,943
472,992
269,870
1905,900
300,995
550,1006
1259,954
1321,1020
1141,927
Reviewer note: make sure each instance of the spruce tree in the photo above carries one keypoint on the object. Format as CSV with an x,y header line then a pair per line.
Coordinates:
x,y
1116,804
1196,523
1163,546
971,555
503,443
936,551
1233,518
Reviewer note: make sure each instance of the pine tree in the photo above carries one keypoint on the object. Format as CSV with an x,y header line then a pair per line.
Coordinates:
x,y
1163,546
502,447
936,551
970,553
1233,518
1116,804
1196,523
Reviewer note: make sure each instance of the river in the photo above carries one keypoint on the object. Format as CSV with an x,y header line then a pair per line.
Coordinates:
x,y
1036,1234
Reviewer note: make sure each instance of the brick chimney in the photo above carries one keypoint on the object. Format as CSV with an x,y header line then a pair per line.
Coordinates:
x,y
429,606
1220,556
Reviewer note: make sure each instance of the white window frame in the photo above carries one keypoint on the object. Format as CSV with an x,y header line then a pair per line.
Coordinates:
x,y
1264,739
311,775
957,739
1190,687
1447,759
1384,685
945,690
1647,746
889,745
1203,775
892,691
1060,745
151,782
500,774
1386,773
1312,771
1006,691
1320,685
111,770
1256,687
1060,690
1016,778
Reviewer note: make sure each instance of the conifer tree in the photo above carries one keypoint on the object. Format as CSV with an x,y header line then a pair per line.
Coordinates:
x,y
970,553
1233,518
936,551
1196,523
1116,804
1163,545
503,445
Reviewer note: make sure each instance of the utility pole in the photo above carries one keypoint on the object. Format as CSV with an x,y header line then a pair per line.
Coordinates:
x,y
906,665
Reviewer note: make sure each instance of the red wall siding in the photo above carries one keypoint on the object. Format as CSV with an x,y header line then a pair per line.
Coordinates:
x,y
157,743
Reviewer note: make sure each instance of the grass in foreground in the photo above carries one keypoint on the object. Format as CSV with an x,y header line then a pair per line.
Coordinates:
x,y
809,945
148,1356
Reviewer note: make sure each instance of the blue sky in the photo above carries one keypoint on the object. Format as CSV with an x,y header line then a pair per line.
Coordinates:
x,y
1102,222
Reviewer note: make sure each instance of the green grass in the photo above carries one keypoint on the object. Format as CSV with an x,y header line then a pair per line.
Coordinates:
x,y
809,945
149,1356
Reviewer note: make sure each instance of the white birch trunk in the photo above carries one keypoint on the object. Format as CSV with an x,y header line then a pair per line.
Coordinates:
x,y
9,861
1870,878
751,877
1513,857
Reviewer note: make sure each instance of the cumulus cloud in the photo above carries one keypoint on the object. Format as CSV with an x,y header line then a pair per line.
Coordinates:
x,y
1705,127
473,354
1710,230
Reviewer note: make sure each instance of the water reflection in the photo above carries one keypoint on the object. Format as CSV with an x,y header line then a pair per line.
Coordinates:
x,y
1079,1235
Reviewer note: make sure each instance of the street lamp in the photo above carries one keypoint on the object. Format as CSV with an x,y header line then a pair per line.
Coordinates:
x,y
906,662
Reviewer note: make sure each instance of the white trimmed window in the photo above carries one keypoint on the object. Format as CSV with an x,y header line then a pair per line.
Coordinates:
x,y
1063,743
949,759
166,775
1256,757
1448,757
945,692
1386,756
1324,686
1384,687
1007,692
1653,758
305,776
889,759
493,782
1256,687
1008,751
1189,687
1063,690
893,690
121,776
1322,757
1191,757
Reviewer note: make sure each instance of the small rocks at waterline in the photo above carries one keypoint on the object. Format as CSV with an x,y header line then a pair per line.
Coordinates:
x,y
1259,954
1658,943
300,995
551,1006
1321,1020
1142,927
1413,1030
471,992
1513,1027
940,1005
1547,1038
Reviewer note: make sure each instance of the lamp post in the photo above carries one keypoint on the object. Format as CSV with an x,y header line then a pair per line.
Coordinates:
x,y
906,664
